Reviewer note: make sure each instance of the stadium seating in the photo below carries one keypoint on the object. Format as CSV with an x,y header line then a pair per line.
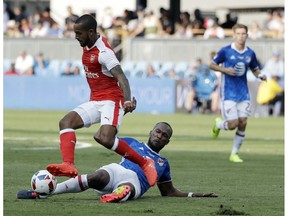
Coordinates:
x,y
128,67
132,69
6,64
140,69
166,67
54,68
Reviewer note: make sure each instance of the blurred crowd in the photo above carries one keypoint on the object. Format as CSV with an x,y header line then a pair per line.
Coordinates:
x,y
203,83
18,22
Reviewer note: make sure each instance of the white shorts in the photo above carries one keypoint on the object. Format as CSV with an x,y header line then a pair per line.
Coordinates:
x,y
103,112
232,110
120,175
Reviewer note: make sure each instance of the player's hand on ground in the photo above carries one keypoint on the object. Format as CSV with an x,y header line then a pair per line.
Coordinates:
x,y
129,106
204,195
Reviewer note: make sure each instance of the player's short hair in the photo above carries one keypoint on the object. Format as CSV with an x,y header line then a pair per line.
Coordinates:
x,y
88,22
166,124
238,25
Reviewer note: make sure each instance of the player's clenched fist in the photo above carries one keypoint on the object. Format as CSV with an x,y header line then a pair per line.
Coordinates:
x,y
129,106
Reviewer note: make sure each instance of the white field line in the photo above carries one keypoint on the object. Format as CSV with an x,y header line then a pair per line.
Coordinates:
x,y
79,144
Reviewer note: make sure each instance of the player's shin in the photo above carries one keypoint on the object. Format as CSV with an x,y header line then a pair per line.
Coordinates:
x,y
122,148
73,185
238,140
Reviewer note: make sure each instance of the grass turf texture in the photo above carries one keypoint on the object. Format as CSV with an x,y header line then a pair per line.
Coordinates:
x,y
198,164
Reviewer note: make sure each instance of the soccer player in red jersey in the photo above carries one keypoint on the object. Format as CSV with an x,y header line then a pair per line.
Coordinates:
x,y
110,100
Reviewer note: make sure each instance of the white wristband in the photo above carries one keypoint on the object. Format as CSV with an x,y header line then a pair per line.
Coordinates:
x,y
127,102
190,194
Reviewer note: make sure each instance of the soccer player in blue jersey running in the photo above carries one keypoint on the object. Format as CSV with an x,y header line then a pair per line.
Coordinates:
x,y
233,61
126,180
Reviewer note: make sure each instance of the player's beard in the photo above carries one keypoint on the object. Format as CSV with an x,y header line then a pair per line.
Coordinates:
x,y
85,42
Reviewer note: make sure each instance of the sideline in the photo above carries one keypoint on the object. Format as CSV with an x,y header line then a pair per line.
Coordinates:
x,y
79,144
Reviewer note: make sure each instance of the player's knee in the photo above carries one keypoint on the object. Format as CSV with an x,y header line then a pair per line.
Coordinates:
x,y
96,137
98,180
242,123
233,124
64,123
104,140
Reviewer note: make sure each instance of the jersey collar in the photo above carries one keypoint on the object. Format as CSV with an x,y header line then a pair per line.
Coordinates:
x,y
99,38
234,47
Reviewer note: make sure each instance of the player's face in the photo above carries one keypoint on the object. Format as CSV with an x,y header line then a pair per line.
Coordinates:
x,y
81,35
159,137
240,35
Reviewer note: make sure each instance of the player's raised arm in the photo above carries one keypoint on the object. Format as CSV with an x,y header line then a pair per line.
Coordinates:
x,y
117,72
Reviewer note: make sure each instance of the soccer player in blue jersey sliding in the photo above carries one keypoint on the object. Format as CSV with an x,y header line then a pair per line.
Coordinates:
x,y
126,180
233,61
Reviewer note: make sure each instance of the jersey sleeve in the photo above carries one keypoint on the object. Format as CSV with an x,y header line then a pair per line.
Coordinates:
x,y
108,58
220,57
254,65
166,176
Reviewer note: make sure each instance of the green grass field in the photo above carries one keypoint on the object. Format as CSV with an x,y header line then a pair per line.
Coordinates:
x,y
198,164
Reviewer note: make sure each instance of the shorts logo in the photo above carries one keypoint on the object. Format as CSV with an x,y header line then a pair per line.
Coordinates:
x,y
92,58
228,111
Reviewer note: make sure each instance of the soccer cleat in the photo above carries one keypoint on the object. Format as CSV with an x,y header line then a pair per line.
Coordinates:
x,y
235,158
120,194
27,194
215,130
150,171
63,169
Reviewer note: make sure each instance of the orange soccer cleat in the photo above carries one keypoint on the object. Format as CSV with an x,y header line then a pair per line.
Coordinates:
x,y
120,194
63,169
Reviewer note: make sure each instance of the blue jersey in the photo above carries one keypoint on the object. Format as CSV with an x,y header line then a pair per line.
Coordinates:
x,y
161,163
235,88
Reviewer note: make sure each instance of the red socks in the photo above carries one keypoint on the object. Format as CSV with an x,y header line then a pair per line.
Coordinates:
x,y
67,145
126,151
68,141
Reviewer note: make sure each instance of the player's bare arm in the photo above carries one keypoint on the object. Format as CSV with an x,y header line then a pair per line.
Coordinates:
x,y
167,189
229,71
257,74
117,72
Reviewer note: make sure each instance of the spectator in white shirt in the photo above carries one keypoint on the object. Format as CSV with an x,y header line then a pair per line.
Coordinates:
x,y
213,30
275,66
24,62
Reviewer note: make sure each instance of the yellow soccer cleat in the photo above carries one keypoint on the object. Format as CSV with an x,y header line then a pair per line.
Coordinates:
x,y
120,194
215,130
235,158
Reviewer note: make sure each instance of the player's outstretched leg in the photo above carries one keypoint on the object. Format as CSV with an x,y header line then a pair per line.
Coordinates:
x,y
235,158
150,171
215,130
120,194
63,169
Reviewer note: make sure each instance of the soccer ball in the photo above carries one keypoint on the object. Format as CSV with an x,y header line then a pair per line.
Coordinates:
x,y
43,182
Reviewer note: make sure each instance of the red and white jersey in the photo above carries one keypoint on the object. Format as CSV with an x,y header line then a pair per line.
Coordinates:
x,y
97,62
